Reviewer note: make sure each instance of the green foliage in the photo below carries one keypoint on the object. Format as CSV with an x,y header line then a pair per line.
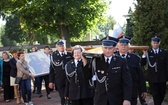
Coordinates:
x,y
13,30
6,41
150,18
103,28
13,33
56,18
111,22
50,16
2,32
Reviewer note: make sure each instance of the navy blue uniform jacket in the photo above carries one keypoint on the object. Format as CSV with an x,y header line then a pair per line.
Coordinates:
x,y
162,66
57,72
117,86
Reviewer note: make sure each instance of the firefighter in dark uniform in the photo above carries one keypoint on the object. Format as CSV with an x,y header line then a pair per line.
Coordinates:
x,y
57,74
157,60
78,89
113,85
133,63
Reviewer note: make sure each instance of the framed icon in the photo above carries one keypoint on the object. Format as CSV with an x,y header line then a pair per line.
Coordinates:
x,y
38,62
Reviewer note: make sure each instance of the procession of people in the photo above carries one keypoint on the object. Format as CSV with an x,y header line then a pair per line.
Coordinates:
x,y
115,77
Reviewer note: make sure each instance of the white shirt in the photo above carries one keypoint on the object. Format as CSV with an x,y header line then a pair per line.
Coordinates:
x,y
123,56
76,62
61,53
156,50
108,58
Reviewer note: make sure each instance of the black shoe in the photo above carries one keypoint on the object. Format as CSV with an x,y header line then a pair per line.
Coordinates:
x,y
33,91
40,95
48,96
144,103
7,101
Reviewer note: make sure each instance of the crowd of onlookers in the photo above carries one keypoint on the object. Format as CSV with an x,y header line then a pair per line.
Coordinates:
x,y
13,65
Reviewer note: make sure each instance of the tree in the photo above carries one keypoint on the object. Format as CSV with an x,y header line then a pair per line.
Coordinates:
x,y
129,26
66,19
105,27
150,19
13,33
2,32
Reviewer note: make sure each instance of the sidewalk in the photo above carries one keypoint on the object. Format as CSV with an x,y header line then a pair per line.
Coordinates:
x,y
55,100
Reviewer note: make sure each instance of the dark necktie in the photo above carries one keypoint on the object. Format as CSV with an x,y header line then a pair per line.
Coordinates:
x,y
62,54
77,63
123,55
107,62
155,51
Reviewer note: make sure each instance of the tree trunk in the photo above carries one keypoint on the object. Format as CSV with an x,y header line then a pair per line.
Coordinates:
x,y
65,34
31,37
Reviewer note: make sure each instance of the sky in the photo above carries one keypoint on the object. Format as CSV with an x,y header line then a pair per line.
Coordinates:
x,y
1,22
117,9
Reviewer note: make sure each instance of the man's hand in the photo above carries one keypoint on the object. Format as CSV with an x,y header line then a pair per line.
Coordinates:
x,y
51,85
144,95
126,102
144,52
66,97
32,76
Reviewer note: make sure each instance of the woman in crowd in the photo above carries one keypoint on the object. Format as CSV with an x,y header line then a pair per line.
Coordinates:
x,y
13,74
78,89
5,69
23,71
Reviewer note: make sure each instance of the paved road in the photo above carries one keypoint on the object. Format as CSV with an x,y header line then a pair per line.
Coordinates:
x,y
55,100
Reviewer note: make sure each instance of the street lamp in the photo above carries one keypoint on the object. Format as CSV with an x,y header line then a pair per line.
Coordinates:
x,y
129,30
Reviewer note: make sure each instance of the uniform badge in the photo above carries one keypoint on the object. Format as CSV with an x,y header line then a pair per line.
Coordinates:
x,y
128,56
56,63
116,68
114,59
102,72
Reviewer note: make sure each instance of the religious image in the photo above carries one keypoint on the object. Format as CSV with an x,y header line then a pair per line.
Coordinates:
x,y
38,63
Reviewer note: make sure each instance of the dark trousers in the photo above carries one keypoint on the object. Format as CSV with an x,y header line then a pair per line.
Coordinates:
x,y
37,84
26,89
87,101
158,91
8,92
61,91
134,101
46,80
134,95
